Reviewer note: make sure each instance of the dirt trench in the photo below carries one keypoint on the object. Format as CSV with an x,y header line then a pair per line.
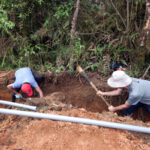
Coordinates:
x,y
77,99
77,92
80,94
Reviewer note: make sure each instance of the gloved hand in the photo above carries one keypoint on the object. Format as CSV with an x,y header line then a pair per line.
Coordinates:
x,y
18,96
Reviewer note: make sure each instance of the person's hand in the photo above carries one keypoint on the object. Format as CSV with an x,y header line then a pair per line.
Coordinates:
x,y
111,108
19,96
99,93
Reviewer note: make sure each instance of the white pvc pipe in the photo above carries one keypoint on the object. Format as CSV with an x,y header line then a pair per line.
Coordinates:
x,y
18,105
77,120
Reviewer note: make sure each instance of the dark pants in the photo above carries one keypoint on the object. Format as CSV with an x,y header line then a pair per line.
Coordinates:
x,y
13,98
37,78
129,111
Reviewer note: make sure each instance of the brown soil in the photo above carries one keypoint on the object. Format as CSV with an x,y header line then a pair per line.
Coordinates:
x,y
70,95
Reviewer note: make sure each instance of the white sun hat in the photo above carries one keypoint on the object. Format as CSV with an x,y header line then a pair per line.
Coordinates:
x,y
119,79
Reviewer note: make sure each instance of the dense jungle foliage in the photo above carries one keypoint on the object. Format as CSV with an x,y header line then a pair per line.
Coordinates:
x,y
37,33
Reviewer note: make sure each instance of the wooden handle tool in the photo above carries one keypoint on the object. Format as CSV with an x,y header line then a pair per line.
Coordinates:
x,y
81,71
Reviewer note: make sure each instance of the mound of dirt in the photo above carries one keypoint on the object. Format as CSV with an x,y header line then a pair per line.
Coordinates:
x,y
71,95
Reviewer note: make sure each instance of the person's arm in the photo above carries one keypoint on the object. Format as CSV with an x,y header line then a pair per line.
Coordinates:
x,y
38,89
17,94
110,93
10,87
120,107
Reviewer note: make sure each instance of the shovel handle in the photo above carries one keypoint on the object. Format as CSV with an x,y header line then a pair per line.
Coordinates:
x,y
94,87
81,71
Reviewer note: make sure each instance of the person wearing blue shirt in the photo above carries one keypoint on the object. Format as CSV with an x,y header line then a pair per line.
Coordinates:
x,y
138,89
25,80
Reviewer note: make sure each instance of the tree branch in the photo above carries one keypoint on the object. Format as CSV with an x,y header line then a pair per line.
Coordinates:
x,y
118,13
127,28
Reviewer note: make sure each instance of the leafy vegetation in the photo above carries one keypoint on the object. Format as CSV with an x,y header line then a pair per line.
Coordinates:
x,y
36,33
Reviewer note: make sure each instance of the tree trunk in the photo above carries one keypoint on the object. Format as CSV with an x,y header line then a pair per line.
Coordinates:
x,y
146,28
73,33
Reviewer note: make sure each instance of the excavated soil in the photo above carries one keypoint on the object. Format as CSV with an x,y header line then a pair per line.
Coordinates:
x,y
70,95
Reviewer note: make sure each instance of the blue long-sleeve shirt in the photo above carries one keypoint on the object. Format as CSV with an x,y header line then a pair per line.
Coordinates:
x,y
24,75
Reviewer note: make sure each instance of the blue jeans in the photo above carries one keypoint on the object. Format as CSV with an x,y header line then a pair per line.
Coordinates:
x,y
129,111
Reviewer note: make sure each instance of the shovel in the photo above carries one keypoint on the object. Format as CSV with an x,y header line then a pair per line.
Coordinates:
x,y
81,71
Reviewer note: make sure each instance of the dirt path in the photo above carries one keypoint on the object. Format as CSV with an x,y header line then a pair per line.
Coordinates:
x,y
79,100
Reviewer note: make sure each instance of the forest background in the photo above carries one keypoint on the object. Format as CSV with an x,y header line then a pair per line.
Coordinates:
x,y
58,35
